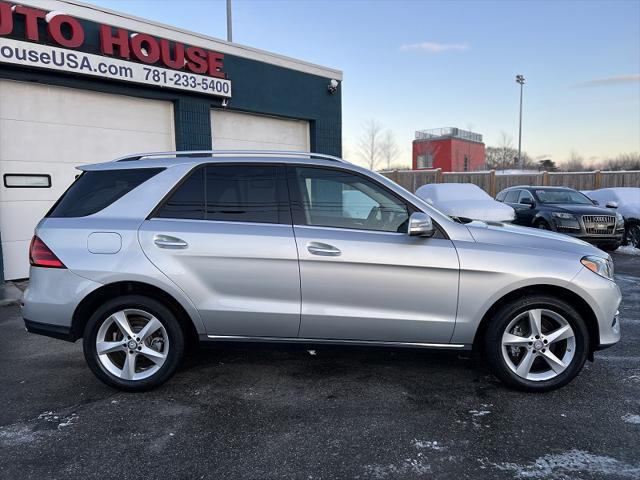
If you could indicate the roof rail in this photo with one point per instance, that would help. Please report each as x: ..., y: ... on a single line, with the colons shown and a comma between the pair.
x: 229, y: 153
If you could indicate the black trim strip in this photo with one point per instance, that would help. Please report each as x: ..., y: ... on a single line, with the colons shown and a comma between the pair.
x: 48, y: 330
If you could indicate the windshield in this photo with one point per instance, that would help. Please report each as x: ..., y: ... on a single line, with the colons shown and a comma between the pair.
x: 563, y: 197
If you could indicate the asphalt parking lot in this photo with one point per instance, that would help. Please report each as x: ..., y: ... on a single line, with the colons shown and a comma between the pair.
x: 283, y: 412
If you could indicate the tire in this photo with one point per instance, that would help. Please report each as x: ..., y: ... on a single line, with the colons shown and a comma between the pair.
x: 154, y: 358
x: 632, y: 235
x: 543, y: 225
x: 505, y: 361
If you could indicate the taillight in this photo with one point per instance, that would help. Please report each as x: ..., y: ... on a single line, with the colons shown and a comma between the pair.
x: 41, y: 256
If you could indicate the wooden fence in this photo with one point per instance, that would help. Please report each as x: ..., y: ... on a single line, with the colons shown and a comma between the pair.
x: 492, y: 183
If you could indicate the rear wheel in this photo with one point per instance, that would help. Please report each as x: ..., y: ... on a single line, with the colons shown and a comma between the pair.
x: 133, y: 343
x: 537, y: 344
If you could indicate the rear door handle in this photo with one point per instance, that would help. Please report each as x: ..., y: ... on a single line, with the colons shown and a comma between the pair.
x: 166, y: 241
x: 322, y: 249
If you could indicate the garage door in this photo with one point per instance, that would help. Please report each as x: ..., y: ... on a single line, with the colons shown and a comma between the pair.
x: 48, y: 131
x: 244, y: 131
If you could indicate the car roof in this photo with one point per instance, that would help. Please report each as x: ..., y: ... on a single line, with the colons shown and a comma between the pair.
x: 537, y: 187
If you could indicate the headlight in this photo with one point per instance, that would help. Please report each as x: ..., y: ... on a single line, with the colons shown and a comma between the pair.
x: 599, y: 265
x: 619, y: 219
x: 566, y: 216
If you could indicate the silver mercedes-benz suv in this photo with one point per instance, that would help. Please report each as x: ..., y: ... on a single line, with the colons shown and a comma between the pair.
x: 147, y: 253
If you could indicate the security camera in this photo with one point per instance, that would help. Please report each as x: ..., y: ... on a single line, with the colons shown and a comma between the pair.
x: 333, y: 86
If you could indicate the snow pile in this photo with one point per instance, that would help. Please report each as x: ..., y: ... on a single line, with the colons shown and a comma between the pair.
x: 627, y: 198
x: 465, y: 200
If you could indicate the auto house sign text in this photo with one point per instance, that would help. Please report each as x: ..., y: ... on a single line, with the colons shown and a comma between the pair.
x: 56, y: 41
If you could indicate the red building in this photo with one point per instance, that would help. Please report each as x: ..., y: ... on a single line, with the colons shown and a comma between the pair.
x: 451, y: 149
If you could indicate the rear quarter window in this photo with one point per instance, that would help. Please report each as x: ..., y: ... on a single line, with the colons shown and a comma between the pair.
x: 95, y: 190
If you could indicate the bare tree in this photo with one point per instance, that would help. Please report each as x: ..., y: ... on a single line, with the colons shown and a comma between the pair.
x: 506, y: 157
x: 624, y: 161
x: 501, y: 156
x: 370, y: 142
x: 575, y: 163
x: 389, y: 148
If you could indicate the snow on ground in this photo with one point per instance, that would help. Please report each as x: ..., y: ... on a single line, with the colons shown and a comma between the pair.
x: 44, y: 427
x: 431, y: 445
x: 573, y: 461
x: 630, y: 418
x: 628, y: 250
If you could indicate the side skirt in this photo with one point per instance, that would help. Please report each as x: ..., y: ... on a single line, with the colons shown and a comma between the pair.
x: 330, y: 341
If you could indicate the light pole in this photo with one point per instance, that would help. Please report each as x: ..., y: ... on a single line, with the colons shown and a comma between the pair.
x: 229, y: 29
x: 520, y: 80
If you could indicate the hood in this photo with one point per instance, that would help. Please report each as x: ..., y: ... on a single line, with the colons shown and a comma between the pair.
x: 486, y: 210
x: 579, y: 209
x: 628, y: 210
x: 527, y: 237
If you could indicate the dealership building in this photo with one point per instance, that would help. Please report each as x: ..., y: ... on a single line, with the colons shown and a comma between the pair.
x: 81, y: 84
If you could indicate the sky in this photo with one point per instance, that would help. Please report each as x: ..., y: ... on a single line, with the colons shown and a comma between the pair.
x: 414, y: 65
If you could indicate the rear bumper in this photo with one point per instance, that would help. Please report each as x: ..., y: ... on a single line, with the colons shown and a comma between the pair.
x: 50, y: 300
x: 48, y: 330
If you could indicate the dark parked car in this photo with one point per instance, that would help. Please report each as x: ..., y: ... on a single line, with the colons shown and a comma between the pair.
x: 566, y: 211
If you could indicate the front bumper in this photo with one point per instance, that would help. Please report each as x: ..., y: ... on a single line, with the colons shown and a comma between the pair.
x: 576, y: 228
x: 608, y: 240
x: 603, y: 296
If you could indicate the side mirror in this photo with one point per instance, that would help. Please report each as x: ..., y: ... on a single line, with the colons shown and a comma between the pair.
x: 420, y: 225
x: 612, y: 205
x: 527, y: 201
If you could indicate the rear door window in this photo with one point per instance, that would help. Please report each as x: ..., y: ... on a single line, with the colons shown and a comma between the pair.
x: 231, y: 193
x: 239, y: 193
x: 95, y: 190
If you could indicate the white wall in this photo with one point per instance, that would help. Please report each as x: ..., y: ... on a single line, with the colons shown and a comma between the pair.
x: 51, y: 130
x: 244, y: 131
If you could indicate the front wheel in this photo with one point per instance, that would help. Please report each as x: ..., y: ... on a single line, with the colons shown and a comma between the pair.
x: 633, y: 235
x: 537, y: 344
x: 133, y: 343
x: 543, y: 225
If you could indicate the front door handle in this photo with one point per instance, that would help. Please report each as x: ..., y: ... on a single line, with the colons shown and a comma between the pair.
x: 166, y: 241
x: 317, y: 248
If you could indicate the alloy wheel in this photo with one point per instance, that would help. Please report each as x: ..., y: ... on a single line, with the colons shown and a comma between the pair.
x: 538, y: 344
x: 633, y: 236
x: 132, y: 344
